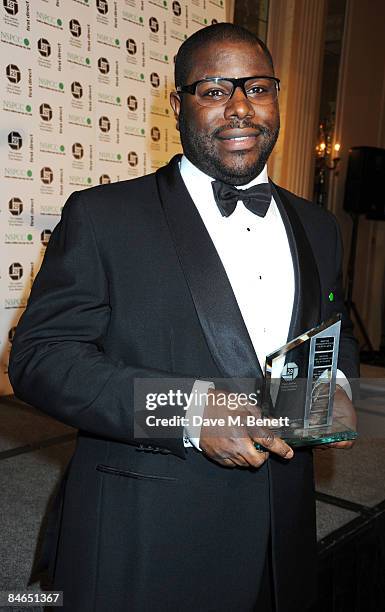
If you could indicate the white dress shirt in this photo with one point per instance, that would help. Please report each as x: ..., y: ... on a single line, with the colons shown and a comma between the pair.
x: 256, y: 256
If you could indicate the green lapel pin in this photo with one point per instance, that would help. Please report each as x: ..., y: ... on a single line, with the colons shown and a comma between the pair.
x: 331, y: 296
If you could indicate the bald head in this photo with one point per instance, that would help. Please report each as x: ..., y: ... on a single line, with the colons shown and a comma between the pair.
x: 217, y: 33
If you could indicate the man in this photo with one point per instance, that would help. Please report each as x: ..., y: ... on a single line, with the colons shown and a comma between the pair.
x: 166, y: 277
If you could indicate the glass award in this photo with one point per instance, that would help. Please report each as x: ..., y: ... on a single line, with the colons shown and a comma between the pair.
x: 299, y: 387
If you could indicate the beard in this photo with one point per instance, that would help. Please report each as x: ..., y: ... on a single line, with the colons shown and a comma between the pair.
x: 199, y: 147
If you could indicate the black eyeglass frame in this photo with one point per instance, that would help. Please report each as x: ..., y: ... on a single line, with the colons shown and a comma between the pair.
x: 191, y: 88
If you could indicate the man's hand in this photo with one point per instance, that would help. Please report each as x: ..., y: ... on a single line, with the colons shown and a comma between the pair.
x: 232, y: 444
x: 344, y: 411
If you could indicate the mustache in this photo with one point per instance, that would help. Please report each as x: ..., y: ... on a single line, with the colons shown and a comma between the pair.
x: 242, y: 124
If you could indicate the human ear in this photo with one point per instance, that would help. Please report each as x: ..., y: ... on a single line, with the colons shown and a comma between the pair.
x: 175, y: 105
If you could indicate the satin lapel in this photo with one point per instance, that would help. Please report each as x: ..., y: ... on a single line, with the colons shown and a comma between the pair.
x: 213, y: 297
x: 306, y: 306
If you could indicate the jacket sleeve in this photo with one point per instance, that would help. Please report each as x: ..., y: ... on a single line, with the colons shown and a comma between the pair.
x: 57, y: 362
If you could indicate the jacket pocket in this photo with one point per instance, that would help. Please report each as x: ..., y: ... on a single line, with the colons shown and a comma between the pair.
x: 107, y: 469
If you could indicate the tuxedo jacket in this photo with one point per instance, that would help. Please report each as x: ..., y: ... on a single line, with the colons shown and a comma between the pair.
x: 131, y: 287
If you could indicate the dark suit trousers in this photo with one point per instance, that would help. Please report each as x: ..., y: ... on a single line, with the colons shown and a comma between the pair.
x: 187, y: 535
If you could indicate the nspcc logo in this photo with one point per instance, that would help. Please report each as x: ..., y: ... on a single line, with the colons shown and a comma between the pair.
x: 75, y: 28
x: 15, y: 271
x: 104, y: 124
x: 132, y: 103
x: 154, y: 79
x: 45, y: 236
x: 290, y: 371
x: 46, y: 175
x: 132, y: 158
x: 45, y: 112
x: 103, y: 65
x: 102, y: 6
x: 13, y: 73
x: 44, y: 47
x: 15, y: 141
x: 154, y: 24
x: 11, y: 6
x: 77, y: 150
x: 76, y: 90
x: 104, y: 179
x: 176, y: 9
x: 155, y: 134
x: 131, y: 46
x: 15, y: 207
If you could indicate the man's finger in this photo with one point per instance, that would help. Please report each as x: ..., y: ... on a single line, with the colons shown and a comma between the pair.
x: 241, y: 460
x: 252, y: 456
x: 274, y: 445
x: 227, y: 462
x: 257, y: 458
x: 266, y: 438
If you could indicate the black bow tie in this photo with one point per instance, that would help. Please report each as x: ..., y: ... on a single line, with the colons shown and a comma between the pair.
x: 256, y: 199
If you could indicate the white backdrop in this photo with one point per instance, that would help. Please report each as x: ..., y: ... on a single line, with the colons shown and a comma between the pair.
x: 84, y: 100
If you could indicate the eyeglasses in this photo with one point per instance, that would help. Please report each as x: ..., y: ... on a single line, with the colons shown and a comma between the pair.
x: 216, y: 91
